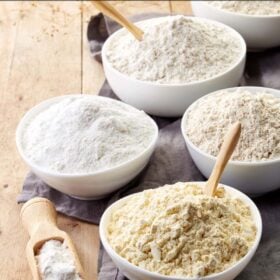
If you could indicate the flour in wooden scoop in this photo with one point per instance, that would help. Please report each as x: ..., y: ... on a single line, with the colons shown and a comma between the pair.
x: 55, y: 262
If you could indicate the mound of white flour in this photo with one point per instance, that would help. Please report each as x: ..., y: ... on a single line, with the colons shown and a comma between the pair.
x: 85, y: 134
x: 249, y: 7
x: 174, y: 50
x: 259, y: 113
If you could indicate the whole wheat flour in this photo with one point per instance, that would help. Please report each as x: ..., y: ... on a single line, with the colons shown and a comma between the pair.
x: 177, y: 230
x: 249, y: 7
x: 175, y: 50
x: 85, y: 134
x: 259, y: 113
x: 55, y: 262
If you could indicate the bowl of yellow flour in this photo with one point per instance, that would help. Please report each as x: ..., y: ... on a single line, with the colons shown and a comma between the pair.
x: 177, y: 232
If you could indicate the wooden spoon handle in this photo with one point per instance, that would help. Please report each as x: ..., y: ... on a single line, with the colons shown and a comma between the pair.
x: 170, y: 7
x: 38, y: 211
x: 110, y: 11
x: 228, y: 146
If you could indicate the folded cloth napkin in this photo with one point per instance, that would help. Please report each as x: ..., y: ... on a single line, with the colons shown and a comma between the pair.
x: 170, y: 163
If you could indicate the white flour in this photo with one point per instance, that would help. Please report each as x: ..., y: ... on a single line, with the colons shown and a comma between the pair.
x: 175, y: 50
x: 85, y: 134
x: 55, y: 262
x: 259, y: 113
x: 177, y: 230
x: 249, y: 7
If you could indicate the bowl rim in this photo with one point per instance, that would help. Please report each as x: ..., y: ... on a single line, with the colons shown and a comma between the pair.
x: 29, y: 115
x: 205, y: 154
x: 247, y: 200
x: 249, y: 16
x: 239, y: 60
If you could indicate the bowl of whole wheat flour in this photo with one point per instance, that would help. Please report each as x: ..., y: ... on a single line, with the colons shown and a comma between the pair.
x: 86, y: 146
x: 176, y: 232
x: 255, y: 163
x: 179, y: 60
x: 256, y: 21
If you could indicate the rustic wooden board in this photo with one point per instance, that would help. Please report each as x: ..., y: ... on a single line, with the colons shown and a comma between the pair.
x: 44, y: 53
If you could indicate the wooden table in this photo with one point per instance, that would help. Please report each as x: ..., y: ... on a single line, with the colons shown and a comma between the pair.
x: 44, y: 53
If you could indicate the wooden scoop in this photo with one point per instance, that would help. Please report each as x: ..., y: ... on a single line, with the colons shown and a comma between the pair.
x: 229, y: 144
x: 108, y: 10
x: 39, y: 218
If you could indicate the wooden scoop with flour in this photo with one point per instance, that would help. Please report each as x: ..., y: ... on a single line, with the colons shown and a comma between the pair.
x: 39, y: 218
x: 228, y: 146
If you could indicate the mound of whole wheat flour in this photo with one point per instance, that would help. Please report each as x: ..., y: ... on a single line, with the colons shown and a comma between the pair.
x: 210, y: 118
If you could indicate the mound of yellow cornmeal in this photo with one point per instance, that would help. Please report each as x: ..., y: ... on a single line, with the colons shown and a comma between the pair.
x: 177, y: 230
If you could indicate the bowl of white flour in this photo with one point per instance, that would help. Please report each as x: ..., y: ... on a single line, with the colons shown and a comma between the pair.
x: 255, y: 163
x: 257, y: 21
x: 176, y: 232
x: 179, y: 60
x: 86, y: 146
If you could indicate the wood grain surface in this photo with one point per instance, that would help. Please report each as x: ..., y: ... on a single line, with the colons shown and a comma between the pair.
x: 44, y: 53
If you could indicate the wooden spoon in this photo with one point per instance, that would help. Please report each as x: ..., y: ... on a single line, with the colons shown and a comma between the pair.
x: 230, y: 141
x: 39, y: 218
x: 170, y: 7
x: 108, y: 10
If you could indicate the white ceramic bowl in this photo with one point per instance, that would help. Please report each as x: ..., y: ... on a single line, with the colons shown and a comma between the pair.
x: 91, y: 185
x: 252, y: 178
x: 259, y: 32
x: 133, y: 272
x: 170, y: 100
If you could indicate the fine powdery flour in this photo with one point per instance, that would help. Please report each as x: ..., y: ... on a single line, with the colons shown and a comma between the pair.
x: 55, y: 262
x: 249, y: 7
x: 176, y: 230
x: 259, y: 113
x: 83, y: 134
x: 175, y: 49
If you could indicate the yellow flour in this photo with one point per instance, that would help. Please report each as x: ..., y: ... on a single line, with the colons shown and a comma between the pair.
x: 176, y: 230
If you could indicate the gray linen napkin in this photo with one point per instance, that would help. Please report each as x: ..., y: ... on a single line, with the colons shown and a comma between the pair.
x: 170, y: 163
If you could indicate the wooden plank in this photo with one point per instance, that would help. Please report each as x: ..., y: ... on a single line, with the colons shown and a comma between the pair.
x: 9, y: 227
x: 135, y: 7
x: 131, y: 8
x: 93, y: 75
x: 181, y: 7
x: 41, y: 58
